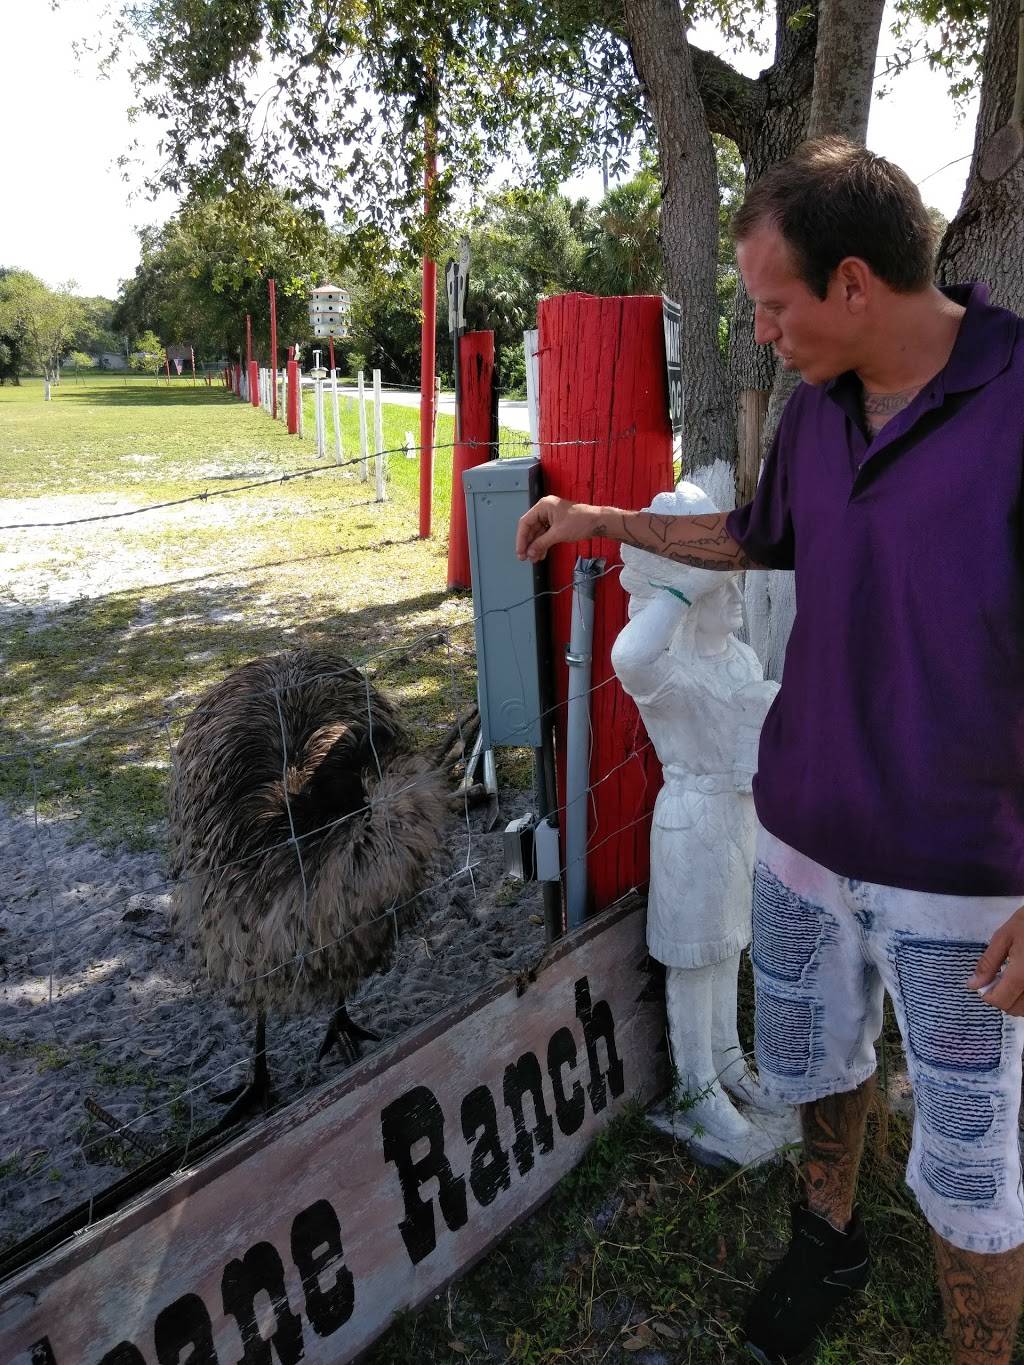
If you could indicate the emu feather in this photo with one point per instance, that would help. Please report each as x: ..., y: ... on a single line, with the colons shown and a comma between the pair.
x: 300, y: 741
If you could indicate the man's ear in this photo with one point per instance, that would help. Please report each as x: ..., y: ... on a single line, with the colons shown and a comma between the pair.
x: 852, y: 279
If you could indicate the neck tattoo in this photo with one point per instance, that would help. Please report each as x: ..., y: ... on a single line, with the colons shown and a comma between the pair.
x: 880, y: 407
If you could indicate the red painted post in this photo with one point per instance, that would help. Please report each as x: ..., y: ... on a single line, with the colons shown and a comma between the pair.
x: 238, y: 381
x: 272, y: 289
x: 293, y: 397
x: 476, y: 376
x: 428, y: 341
x: 254, y: 383
x: 605, y: 438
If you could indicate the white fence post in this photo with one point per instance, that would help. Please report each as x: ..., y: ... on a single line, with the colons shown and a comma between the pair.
x: 378, y: 435
x: 532, y: 390
x: 318, y: 412
x: 302, y: 423
x: 364, y: 454
x: 337, y: 420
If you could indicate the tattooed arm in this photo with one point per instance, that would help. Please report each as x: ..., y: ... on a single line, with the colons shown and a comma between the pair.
x: 701, y: 540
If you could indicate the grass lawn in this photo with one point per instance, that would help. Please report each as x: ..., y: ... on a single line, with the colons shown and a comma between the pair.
x: 111, y: 629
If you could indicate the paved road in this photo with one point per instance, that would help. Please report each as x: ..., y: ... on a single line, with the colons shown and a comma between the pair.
x: 511, y: 411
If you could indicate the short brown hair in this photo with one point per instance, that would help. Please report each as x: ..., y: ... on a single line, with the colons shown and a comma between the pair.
x: 833, y: 198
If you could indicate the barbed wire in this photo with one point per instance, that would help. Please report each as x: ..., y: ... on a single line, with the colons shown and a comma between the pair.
x: 57, y: 1013
x: 172, y: 707
x: 425, y: 780
x: 325, y: 466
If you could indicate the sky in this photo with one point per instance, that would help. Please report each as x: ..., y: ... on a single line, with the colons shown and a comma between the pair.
x: 67, y: 213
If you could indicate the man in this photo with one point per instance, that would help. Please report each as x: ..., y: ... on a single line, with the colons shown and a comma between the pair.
x: 891, y: 772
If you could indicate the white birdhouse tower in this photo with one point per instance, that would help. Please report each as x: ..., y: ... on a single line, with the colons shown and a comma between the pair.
x: 329, y: 308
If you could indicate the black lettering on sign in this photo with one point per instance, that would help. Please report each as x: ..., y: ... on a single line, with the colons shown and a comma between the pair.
x: 570, y: 1110
x: 417, y: 1117
x: 185, y: 1322
x: 598, y: 1023
x: 317, y: 1250
x: 522, y: 1078
x: 488, y: 1166
x: 260, y: 1271
x: 124, y: 1353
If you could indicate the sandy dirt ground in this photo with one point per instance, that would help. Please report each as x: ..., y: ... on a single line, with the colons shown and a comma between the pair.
x: 100, y: 1001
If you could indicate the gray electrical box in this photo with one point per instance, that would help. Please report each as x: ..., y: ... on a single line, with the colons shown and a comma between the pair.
x: 508, y: 603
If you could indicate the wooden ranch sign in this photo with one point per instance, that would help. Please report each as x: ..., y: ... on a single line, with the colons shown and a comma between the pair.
x: 302, y: 1239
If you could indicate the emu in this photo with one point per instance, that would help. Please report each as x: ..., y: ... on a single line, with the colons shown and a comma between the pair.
x: 301, y: 825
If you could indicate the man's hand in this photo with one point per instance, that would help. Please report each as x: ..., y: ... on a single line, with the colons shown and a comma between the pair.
x: 1006, y: 951
x: 553, y: 521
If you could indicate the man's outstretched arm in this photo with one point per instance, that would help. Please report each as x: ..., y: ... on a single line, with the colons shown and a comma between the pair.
x: 702, y: 541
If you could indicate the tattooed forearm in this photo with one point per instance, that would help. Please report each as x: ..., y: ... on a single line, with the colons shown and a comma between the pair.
x: 833, y: 1131
x: 702, y: 541
x: 981, y: 1294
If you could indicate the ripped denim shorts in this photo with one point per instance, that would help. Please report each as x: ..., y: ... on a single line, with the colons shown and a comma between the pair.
x: 825, y: 948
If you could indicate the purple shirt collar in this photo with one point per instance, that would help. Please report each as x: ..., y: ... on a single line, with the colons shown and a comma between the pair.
x: 983, y: 348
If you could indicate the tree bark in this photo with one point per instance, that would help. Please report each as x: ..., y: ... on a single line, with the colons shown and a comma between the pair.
x: 844, y: 67
x: 985, y: 241
x: 844, y: 73
x: 656, y: 32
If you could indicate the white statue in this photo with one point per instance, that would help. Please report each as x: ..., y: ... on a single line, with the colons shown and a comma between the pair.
x: 703, y: 699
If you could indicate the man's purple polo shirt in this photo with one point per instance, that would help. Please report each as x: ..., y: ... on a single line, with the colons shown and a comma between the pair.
x: 894, y: 752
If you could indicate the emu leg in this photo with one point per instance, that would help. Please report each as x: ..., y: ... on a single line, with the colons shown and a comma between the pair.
x: 345, y: 1034
x: 255, y: 1095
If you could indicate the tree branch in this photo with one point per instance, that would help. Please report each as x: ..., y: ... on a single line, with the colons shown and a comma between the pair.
x: 733, y: 103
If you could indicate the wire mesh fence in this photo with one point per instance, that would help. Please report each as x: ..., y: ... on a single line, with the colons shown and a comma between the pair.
x: 123, y: 1015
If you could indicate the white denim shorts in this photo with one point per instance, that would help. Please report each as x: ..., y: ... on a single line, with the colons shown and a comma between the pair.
x: 824, y: 950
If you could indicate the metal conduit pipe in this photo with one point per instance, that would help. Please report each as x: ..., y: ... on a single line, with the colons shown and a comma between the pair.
x: 578, y: 657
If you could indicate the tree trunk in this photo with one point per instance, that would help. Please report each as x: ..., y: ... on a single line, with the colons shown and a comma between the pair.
x: 656, y: 31
x: 766, y: 118
x: 985, y: 241
x: 844, y: 73
x: 844, y: 67
x: 787, y: 86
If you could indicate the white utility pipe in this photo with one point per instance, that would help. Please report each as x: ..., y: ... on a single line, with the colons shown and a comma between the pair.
x: 579, y: 656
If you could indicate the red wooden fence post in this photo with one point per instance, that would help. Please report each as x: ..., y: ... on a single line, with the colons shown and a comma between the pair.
x: 476, y: 381
x: 254, y: 383
x: 293, y: 397
x: 272, y: 290
x: 605, y: 438
x: 238, y: 380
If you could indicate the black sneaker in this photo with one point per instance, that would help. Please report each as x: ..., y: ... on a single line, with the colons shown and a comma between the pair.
x: 821, y: 1269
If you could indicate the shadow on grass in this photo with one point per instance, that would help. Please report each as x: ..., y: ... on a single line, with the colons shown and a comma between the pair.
x: 152, y: 397
x: 120, y: 673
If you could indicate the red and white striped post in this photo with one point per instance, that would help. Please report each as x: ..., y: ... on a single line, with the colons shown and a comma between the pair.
x: 476, y: 396
x: 605, y: 438
x: 272, y: 290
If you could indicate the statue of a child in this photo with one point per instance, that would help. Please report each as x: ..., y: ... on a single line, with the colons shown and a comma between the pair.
x: 703, y: 698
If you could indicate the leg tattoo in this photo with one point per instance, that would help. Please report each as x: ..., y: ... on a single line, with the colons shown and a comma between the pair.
x: 833, y: 1130
x: 982, y: 1295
